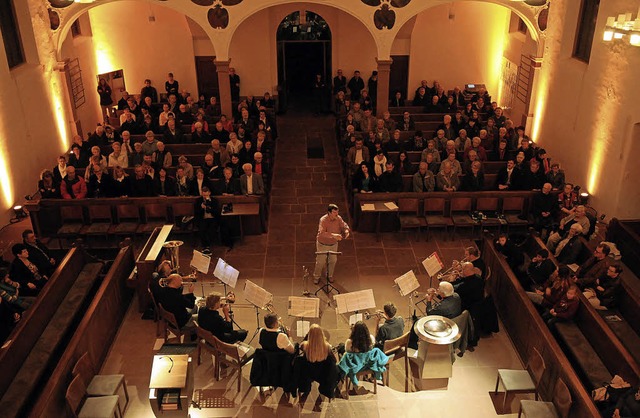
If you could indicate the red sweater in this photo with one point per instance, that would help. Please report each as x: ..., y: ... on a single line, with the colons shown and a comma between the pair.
x: 566, y: 308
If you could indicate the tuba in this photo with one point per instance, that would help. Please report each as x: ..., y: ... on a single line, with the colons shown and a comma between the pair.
x: 172, y: 251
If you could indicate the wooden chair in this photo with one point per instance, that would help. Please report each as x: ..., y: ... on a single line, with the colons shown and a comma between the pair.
x: 396, y: 349
x: 156, y: 313
x: 522, y: 381
x: 435, y: 214
x: 489, y: 205
x: 233, y: 357
x: 155, y: 215
x: 84, y: 407
x: 128, y: 220
x: 461, y: 208
x: 559, y: 406
x: 100, y: 219
x: 206, y: 341
x: 409, y: 215
x: 513, y: 211
x: 72, y: 218
x: 171, y: 324
x: 100, y: 384
x: 179, y: 211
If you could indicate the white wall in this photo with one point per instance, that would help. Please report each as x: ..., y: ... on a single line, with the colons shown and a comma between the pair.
x: 465, y: 49
x: 143, y: 49
x: 590, y: 109
x: 253, y: 47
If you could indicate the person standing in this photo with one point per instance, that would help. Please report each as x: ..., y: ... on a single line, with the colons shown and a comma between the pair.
x: 331, y: 230
x: 234, y: 81
x: 106, y: 101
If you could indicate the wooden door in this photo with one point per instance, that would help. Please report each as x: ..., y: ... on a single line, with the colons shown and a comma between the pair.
x: 399, y: 75
x: 207, y: 77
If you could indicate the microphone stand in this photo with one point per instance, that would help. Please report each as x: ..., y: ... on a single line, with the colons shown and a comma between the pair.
x: 327, y: 287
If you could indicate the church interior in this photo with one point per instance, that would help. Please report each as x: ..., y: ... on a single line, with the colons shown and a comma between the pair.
x: 315, y: 165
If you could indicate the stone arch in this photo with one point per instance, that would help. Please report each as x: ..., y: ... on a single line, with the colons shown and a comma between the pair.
x: 527, y: 13
x: 71, y: 13
x: 350, y: 9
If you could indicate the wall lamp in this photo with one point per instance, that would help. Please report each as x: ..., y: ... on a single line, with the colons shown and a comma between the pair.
x: 623, y: 28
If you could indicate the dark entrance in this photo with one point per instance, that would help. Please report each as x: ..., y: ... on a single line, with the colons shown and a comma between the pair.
x: 207, y: 77
x: 304, y: 50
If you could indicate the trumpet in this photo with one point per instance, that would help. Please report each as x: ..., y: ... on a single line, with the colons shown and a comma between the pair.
x: 378, y: 314
x: 283, y: 328
x: 452, y: 273
x: 433, y: 297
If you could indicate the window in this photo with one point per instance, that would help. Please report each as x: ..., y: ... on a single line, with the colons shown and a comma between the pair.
x: 586, y: 29
x: 522, y: 27
x: 75, y: 28
x: 11, y: 34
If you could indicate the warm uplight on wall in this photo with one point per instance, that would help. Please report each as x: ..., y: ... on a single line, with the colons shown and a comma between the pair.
x: 623, y: 28
x: 58, y: 109
x: 102, y: 39
x: 5, y: 180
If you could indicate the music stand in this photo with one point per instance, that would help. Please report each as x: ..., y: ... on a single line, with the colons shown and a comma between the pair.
x: 228, y: 276
x: 303, y: 307
x: 327, y: 287
x: 355, y: 302
x: 432, y: 264
x: 259, y: 298
x: 407, y: 284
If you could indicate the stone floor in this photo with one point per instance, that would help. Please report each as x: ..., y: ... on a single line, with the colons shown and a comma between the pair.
x: 302, y: 188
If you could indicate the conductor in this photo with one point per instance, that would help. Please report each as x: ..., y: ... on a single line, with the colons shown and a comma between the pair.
x: 331, y: 230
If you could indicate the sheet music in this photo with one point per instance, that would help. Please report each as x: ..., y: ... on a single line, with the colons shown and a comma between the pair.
x: 433, y: 264
x: 302, y: 307
x: 355, y: 301
x: 407, y: 283
x: 368, y: 207
x: 256, y: 295
x: 302, y: 328
x: 391, y: 205
x: 226, y: 273
x: 200, y: 262
x: 355, y: 318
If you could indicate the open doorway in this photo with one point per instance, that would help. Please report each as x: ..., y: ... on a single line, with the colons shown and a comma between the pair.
x: 304, y: 51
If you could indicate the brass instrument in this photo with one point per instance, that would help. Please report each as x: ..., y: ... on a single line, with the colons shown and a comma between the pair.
x: 452, y: 273
x: 228, y: 300
x: 378, y: 314
x: 283, y: 328
x: 433, y: 297
x: 172, y: 250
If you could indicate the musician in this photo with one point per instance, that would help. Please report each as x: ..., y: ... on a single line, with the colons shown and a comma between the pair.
x: 180, y: 305
x: 472, y: 255
x: 274, y: 337
x: 449, y: 306
x: 331, y: 230
x: 209, y: 318
x: 389, y: 326
x: 470, y: 287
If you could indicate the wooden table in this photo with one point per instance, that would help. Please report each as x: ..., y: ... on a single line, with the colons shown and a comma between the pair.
x: 379, y: 207
x: 243, y: 209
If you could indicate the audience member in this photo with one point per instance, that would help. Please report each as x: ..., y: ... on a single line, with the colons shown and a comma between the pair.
x: 390, y: 181
x: 544, y: 209
x: 363, y: 181
x: 539, y: 270
x: 25, y: 272
x: 72, y: 186
x: 569, y: 247
x: 447, y: 180
x: 594, y: 267
x: 577, y: 217
x: 513, y: 255
x: 141, y: 185
x: 48, y: 187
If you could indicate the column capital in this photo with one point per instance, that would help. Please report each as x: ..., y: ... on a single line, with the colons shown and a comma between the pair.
x: 384, y: 64
x: 222, y: 65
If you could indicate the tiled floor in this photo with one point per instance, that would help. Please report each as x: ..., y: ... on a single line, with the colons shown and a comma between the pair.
x: 302, y: 188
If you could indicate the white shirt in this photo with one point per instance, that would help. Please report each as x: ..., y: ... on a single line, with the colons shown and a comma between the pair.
x: 250, y: 184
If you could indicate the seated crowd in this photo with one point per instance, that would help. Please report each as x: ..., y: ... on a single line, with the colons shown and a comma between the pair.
x: 470, y: 133
x: 21, y: 283
x: 243, y: 146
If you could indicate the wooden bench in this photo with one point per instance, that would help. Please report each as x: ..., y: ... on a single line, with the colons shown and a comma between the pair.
x: 366, y: 222
x: 46, y: 215
x: 527, y: 330
x: 94, y: 334
x: 41, y: 336
x: 596, y: 351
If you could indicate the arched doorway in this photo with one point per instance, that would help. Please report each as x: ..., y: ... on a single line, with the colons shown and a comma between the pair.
x: 304, y: 50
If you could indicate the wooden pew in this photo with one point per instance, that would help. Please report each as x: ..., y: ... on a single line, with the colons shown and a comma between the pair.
x: 146, y: 264
x: 38, y: 339
x: 366, y: 222
x: 46, y: 218
x: 94, y: 334
x: 589, y: 330
x: 527, y: 330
